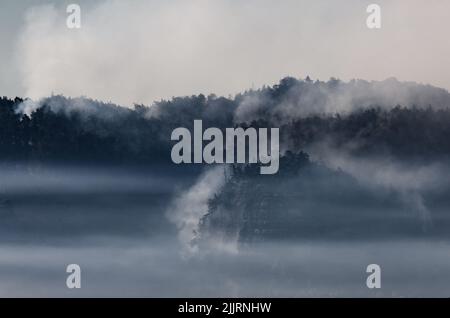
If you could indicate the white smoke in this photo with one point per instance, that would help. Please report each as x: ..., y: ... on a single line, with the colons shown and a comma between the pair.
x: 308, y: 98
x: 27, y: 107
x: 189, y: 207
x: 408, y: 181
x: 140, y: 51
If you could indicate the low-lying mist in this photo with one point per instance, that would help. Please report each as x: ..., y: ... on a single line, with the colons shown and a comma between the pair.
x: 362, y: 180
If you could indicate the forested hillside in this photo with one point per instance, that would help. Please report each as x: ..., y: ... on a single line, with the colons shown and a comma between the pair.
x: 364, y: 118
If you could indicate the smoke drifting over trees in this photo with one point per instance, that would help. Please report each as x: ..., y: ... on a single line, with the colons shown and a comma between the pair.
x: 404, y: 120
x: 359, y: 160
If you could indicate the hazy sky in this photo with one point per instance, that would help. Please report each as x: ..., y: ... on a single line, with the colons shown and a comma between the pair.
x: 140, y: 51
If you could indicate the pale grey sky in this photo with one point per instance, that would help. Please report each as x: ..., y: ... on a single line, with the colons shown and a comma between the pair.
x: 139, y: 51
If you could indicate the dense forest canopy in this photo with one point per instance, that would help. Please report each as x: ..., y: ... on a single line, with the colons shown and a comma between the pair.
x: 389, y: 117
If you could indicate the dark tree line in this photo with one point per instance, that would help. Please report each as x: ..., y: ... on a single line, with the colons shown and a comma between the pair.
x: 47, y: 135
x: 405, y: 133
x: 60, y: 130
